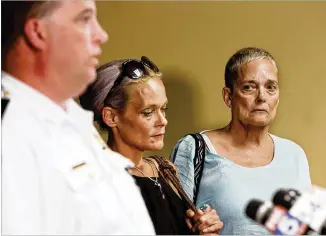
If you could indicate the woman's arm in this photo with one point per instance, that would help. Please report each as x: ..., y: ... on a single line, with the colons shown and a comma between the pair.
x: 182, y: 156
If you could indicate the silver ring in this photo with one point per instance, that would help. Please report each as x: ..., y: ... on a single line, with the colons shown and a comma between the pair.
x: 204, y: 207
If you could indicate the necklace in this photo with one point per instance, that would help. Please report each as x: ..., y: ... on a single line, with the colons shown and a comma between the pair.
x: 156, y: 183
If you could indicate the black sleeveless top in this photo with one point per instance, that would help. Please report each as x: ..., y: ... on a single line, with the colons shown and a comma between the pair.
x: 168, y: 214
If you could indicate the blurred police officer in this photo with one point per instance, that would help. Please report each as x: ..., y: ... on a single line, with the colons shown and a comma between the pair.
x: 57, y: 175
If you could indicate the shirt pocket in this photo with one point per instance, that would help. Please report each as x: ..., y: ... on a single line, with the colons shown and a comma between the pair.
x: 83, y: 176
x: 88, y: 184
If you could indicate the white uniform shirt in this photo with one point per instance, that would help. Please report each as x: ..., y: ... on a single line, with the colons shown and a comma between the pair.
x: 58, y: 176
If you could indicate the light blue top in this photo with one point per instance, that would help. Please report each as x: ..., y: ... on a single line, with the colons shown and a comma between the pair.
x: 228, y: 187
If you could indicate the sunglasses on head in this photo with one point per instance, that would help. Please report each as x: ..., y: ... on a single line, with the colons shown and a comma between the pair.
x: 135, y: 69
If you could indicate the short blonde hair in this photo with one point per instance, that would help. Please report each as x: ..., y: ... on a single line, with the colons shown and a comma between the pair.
x: 95, y: 98
x: 241, y: 58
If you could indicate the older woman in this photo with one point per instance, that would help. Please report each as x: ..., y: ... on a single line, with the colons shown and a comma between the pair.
x: 243, y: 160
x: 129, y: 101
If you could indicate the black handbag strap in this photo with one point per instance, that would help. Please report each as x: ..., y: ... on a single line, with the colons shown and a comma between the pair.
x: 199, y: 160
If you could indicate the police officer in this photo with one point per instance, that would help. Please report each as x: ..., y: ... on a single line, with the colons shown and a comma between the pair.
x: 58, y: 177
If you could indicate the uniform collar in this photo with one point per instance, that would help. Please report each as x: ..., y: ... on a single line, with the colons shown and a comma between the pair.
x: 43, y: 107
x: 32, y: 101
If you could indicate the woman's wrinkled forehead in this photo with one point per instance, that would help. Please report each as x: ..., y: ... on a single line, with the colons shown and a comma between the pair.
x: 149, y: 93
x: 258, y: 69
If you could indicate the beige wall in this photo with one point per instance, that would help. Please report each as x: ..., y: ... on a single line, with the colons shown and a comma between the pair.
x: 191, y: 42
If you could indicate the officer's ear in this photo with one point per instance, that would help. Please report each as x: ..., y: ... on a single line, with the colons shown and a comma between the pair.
x: 110, y: 116
x: 35, y: 33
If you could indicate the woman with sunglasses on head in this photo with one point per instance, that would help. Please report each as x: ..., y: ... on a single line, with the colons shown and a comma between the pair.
x: 129, y: 101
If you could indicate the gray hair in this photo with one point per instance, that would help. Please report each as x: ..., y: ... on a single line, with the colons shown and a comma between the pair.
x: 241, y: 58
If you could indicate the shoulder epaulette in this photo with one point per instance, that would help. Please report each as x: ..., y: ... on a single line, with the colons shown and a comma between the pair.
x: 4, y: 100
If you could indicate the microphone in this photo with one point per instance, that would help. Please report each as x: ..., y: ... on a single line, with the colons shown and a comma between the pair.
x: 276, y: 219
x: 286, y: 197
x: 308, y: 207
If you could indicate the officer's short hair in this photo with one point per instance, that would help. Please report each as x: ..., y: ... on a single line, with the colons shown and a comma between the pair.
x: 14, y: 15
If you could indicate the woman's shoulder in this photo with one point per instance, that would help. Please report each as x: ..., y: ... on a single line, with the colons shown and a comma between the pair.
x: 286, y: 144
x: 185, y: 144
x: 190, y: 139
x: 216, y: 134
